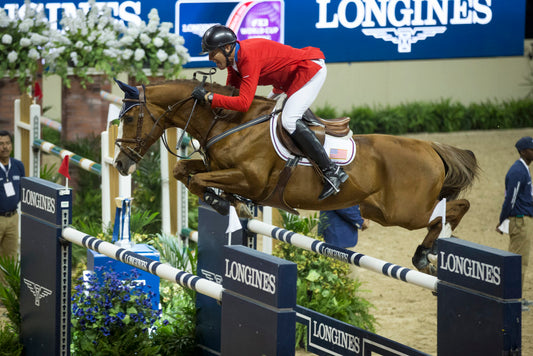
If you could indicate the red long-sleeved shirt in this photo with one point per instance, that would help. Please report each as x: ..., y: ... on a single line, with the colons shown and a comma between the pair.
x: 265, y: 62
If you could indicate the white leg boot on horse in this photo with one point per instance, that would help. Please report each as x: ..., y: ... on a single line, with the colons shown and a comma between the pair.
x: 334, y: 175
x: 425, y: 257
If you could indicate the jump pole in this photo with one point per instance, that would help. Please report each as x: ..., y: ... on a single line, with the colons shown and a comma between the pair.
x: 351, y: 257
x: 162, y: 270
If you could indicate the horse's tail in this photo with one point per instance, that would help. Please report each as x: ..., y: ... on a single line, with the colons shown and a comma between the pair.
x: 461, y: 169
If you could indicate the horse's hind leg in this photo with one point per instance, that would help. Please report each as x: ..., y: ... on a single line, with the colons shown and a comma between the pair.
x: 426, y: 252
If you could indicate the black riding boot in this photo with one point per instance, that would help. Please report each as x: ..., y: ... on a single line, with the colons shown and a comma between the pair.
x: 310, y: 145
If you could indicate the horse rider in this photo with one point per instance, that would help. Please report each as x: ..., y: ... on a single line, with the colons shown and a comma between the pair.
x: 300, y: 73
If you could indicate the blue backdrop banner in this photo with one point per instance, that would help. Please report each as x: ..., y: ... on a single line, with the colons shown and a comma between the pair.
x: 345, y: 30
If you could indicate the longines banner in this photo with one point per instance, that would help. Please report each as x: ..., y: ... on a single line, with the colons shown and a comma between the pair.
x: 345, y: 30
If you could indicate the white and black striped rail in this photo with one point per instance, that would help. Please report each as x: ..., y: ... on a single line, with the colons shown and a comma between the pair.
x: 165, y: 271
x: 358, y: 259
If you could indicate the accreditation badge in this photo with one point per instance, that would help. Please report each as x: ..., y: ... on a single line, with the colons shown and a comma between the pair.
x: 9, y: 189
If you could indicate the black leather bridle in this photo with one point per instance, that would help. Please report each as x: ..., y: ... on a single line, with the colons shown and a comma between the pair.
x: 140, y: 140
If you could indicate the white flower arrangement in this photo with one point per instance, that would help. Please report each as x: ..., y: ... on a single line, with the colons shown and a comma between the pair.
x: 88, y: 42
x: 155, y: 50
x: 21, y: 45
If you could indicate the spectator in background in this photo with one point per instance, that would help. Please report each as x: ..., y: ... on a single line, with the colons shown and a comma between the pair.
x: 11, y: 172
x: 518, y: 203
x: 340, y: 227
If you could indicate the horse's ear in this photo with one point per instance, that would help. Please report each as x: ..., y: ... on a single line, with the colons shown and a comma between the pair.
x: 130, y: 91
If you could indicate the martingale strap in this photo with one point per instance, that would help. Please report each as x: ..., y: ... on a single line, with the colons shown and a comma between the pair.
x: 253, y: 122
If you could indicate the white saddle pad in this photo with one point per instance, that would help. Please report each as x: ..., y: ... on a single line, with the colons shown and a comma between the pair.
x: 341, y: 150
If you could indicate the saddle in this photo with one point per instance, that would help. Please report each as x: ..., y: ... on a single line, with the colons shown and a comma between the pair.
x: 334, y: 127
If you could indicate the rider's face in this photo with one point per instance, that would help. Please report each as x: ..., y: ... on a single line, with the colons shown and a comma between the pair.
x: 218, y: 57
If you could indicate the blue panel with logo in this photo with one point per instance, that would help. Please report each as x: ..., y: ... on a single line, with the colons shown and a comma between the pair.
x: 260, y: 276
x: 345, y: 30
x: 481, y: 268
x: 347, y: 339
x: 40, y: 198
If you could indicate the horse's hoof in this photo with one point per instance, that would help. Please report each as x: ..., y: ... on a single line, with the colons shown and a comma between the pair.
x: 243, y: 211
x: 422, y: 262
x: 429, y: 269
x: 216, y: 202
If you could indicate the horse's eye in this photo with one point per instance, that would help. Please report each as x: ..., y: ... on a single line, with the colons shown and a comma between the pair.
x: 128, y: 119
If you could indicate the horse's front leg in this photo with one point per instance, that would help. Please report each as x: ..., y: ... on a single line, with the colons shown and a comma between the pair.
x: 186, y: 167
x: 228, y: 180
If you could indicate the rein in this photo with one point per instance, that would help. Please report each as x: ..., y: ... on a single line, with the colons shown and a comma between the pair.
x: 253, y: 122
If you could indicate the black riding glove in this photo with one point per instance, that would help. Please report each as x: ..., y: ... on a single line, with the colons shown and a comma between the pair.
x: 199, y: 94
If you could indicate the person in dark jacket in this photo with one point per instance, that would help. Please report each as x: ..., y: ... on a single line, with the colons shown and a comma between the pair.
x: 518, y: 203
x: 340, y: 227
x: 11, y: 173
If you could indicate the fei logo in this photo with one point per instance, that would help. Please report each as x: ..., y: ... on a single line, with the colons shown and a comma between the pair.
x: 402, y: 22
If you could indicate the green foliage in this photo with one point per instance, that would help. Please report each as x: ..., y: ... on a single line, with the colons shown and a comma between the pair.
x: 178, y: 304
x: 193, y: 210
x: 10, y: 289
x: 50, y: 173
x: 177, y: 337
x: 50, y: 135
x: 324, y: 284
x: 10, y: 344
x: 87, y: 195
x: 142, y: 222
x: 147, y: 188
x: 174, y: 252
x: 442, y: 116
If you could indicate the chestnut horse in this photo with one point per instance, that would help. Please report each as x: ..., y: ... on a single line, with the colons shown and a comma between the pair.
x: 397, y: 181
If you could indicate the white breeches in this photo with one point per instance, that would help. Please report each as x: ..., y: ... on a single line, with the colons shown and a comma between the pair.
x: 301, y: 100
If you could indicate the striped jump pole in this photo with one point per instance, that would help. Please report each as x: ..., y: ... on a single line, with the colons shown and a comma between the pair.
x: 162, y: 270
x: 78, y: 160
x: 357, y: 259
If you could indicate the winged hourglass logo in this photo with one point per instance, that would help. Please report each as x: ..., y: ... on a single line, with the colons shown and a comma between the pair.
x: 37, y: 290
x: 404, y: 37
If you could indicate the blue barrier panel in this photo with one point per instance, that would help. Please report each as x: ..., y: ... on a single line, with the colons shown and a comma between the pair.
x: 210, y: 266
x: 265, y: 278
x: 328, y: 336
x: 478, y: 308
x: 45, y: 268
x: 479, y: 267
x: 258, y: 300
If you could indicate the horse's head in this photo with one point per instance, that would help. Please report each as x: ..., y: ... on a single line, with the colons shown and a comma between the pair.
x: 139, y: 128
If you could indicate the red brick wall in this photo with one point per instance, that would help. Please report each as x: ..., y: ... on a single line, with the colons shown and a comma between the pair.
x: 84, y: 112
x: 9, y: 91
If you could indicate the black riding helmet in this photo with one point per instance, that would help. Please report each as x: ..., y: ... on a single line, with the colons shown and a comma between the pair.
x: 217, y: 36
